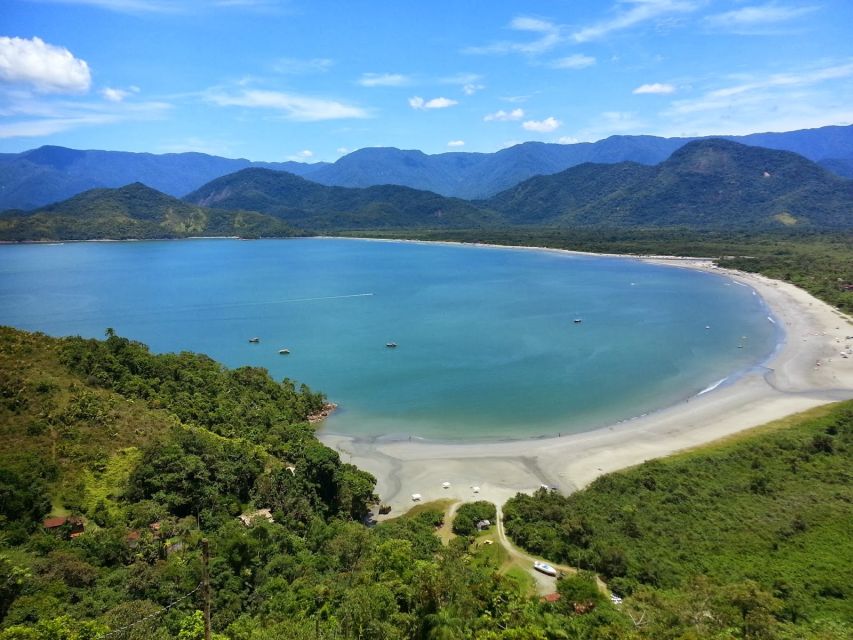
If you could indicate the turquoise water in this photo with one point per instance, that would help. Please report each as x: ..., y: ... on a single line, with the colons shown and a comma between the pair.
x: 487, y: 343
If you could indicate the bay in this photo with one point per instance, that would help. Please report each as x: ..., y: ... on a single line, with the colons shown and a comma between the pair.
x: 488, y: 347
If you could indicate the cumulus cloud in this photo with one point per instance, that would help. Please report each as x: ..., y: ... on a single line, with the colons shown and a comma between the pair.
x: 576, y: 61
x: 471, y: 88
x: 41, y: 66
x: 292, y: 106
x: 383, y: 80
x: 542, y: 126
x: 567, y: 140
x: 504, y: 116
x: 416, y: 102
x: 456, y: 143
x: 342, y: 151
x: 655, y: 87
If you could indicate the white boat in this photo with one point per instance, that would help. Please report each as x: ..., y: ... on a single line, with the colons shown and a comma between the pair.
x: 544, y: 567
x: 284, y: 352
x: 578, y: 320
x: 254, y: 340
x: 391, y: 345
x: 416, y: 497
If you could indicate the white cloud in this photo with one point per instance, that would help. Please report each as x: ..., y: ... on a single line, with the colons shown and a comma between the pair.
x: 549, y: 35
x: 504, y: 116
x: 757, y: 16
x: 470, y: 83
x: 118, y: 95
x: 542, y: 126
x: 634, y: 12
x: 761, y: 90
x: 175, y: 6
x: 567, y: 140
x: 456, y: 143
x: 300, y: 66
x: 305, y: 154
x: 20, y: 123
x: 126, y: 6
x: 655, y: 87
x: 342, y: 151
x: 576, y: 61
x: 383, y: 80
x: 417, y: 102
x: 293, y: 106
x: 41, y: 66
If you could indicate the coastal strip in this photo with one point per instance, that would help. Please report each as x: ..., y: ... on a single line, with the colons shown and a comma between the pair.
x: 804, y: 372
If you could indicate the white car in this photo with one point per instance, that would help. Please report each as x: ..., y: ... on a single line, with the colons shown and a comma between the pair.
x: 545, y: 568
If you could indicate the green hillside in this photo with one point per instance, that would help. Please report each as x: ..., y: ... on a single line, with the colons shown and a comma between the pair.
x: 133, y: 211
x: 309, y: 205
x: 704, y: 184
x: 759, y: 523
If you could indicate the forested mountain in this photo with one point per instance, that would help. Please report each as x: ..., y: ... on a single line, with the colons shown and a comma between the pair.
x: 706, y: 183
x: 480, y: 175
x: 309, y: 205
x: 37, y: 177
x: 133, y: 211
x: 48, y: 174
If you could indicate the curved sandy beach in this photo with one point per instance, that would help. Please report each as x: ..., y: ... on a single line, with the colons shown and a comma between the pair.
x: 807, y: 370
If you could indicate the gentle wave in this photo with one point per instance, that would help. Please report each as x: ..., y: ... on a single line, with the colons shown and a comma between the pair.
x: 713, y: 386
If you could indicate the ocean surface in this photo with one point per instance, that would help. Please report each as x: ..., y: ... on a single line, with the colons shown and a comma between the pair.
x: 488, y: 347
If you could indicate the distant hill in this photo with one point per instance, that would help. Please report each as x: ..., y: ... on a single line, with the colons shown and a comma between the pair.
x: 133, y: 211
x: 481, y: 175
x: 309, y: 205
x: 704, y: 184
x: 48, y: 174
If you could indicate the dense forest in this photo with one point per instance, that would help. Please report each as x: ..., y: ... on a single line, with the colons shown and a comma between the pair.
x: 138, y: 456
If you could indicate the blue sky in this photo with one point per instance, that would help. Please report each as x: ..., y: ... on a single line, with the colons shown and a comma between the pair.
x: 311, y: 80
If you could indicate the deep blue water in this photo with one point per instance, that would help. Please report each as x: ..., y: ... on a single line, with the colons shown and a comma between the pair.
x: 488, y: 346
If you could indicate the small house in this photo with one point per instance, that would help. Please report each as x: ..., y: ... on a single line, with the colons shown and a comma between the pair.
x: 72, y: 524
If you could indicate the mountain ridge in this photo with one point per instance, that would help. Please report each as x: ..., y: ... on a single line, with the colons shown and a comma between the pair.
x: 48, y: 174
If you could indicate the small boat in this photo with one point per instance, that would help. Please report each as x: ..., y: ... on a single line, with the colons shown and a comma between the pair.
x: 254, y: 340
x: 547, y: 569
x: 578, y: 320
x: 284, y: 352
x: 445, y: 485
x: 391, y: 345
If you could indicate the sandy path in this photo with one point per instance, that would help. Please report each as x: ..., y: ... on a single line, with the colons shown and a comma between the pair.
x: 806, y: 371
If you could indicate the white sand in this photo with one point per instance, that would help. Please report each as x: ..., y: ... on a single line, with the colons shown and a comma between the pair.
x: 814, y: 333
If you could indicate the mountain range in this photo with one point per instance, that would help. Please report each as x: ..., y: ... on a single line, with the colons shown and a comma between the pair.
x: 40, y: 176
x: 706, y: 184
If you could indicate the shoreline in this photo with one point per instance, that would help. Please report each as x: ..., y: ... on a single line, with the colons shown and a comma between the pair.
x: 806, y: 370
